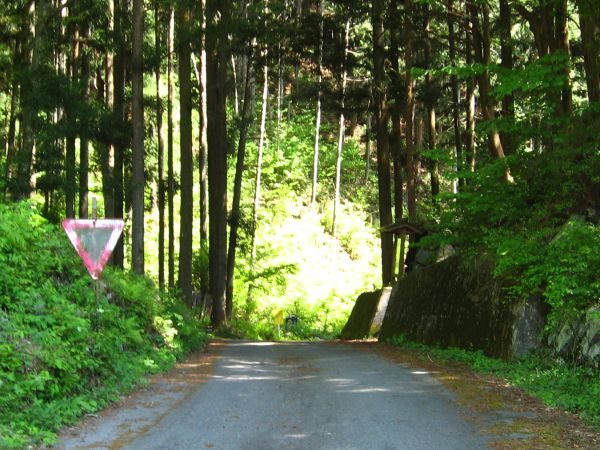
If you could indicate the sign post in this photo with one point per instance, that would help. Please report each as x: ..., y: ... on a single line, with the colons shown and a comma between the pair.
x: 94, y: 240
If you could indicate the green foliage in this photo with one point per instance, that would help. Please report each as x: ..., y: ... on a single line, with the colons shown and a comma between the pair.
x: 542, y: 228
x: 300, y: 269
x: 575, y: 389
x: 64, y: 351
x: 565, y: 269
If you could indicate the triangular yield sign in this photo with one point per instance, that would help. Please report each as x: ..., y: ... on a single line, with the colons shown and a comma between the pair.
x: 94, y: 241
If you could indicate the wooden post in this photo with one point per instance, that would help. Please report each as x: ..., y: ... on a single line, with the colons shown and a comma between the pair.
x: 401, y: 259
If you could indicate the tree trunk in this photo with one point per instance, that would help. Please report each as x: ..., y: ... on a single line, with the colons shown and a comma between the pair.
x: 383, y: 150
x: 482, y: 43
x: 409, y: 114
x: 234, y: 221
x: 506, y: 53
x: 184, y: 21
x: 315, y: 171
x: 458, y: 149
x: 170, y: 164
x: 396, y: 109
x: 561, y: 37
x: 216, y: 72
x: 434, y: 171
x: 84, y: 148
x: 11, y: 147
x: 368, y: 128
x: 470, y: 104
x: 120, y: 63
x: 202, y: 160
x: 70, y: 157
x: 589, y: 20
x: 138, y: 180
x: 22, y: 187
x: 341, y: 136
x: 259, y: 160
x: 161, y: 150
x: 107, y: 151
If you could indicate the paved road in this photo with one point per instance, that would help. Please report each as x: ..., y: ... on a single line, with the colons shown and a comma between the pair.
x: 260, y: 396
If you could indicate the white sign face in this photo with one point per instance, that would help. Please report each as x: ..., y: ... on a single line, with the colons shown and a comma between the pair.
x: 94, y: 241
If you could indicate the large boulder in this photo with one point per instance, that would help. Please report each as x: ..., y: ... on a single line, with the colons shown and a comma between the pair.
x: 457, y: 303
x: 578, y: 339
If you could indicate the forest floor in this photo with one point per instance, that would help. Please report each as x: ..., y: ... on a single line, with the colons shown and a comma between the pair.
x: 351, y: 395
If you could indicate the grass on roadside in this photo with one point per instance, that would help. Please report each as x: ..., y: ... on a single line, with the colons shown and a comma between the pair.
x: 557, y: 384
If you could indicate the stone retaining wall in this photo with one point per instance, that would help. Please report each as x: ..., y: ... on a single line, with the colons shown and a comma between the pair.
x: 459, y: 304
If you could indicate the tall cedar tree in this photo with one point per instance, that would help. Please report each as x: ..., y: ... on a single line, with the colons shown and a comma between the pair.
x: 216, y: 79
x: 383, y: 150
x: 184, y: 23
x: 138, y: 182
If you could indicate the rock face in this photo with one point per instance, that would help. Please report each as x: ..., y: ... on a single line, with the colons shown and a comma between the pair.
x: 361, y: 318
x: 382, y: 305
x: 578, y: 340
x: 459, y: 304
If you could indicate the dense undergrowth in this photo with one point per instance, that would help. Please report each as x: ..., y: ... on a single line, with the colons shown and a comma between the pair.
x: 64, y: 351
x: 542, y: 229
x: 575, y: 389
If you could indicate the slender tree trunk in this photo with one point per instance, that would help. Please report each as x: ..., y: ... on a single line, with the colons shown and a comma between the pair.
x: 161, y: 150
x: 107, y: 152
x: 298, y: 22
x: 259, y: 160
x: 170, y: 158
x: 23, y: 187
x: 138, y: 180
x: 216, y: 71
x: 315, y: 171
x: 202, y: 160
x: 70, y: 156
x: 341, y: 136
x: 84, y: 148
x: 409, y: 113
x: 234, y: 221
x: 396, y: 109
x: 383, y: 150
x: 434, y: 171
x: 506, y: 53
x: 562, y: 44
x: 184, y: 21
x: 279, y: 95
x: 458, y: 149
x: 589, y: 20
x: 236, y: 95
x: 367, y: 147
x: 120, y: 63
x: 482, y: 43
x: 470, y: 104
x: 11, y: 147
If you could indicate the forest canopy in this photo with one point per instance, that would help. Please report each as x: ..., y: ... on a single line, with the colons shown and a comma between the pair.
x: 208, y: 125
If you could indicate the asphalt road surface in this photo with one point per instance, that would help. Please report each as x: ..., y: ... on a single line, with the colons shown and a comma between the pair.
x: 262, y: 395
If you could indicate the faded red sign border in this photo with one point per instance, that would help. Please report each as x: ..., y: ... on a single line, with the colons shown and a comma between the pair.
x: 71, y: 226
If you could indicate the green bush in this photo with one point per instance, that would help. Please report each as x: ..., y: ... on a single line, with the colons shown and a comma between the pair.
x: 64, y: 351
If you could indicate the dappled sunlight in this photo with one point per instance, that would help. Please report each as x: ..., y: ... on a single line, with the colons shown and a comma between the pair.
x: 252, y: 343
x: 296, y: 436
x: 367, y: 390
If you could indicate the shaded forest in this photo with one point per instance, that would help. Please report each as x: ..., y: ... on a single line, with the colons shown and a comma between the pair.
x: 475, y: 120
